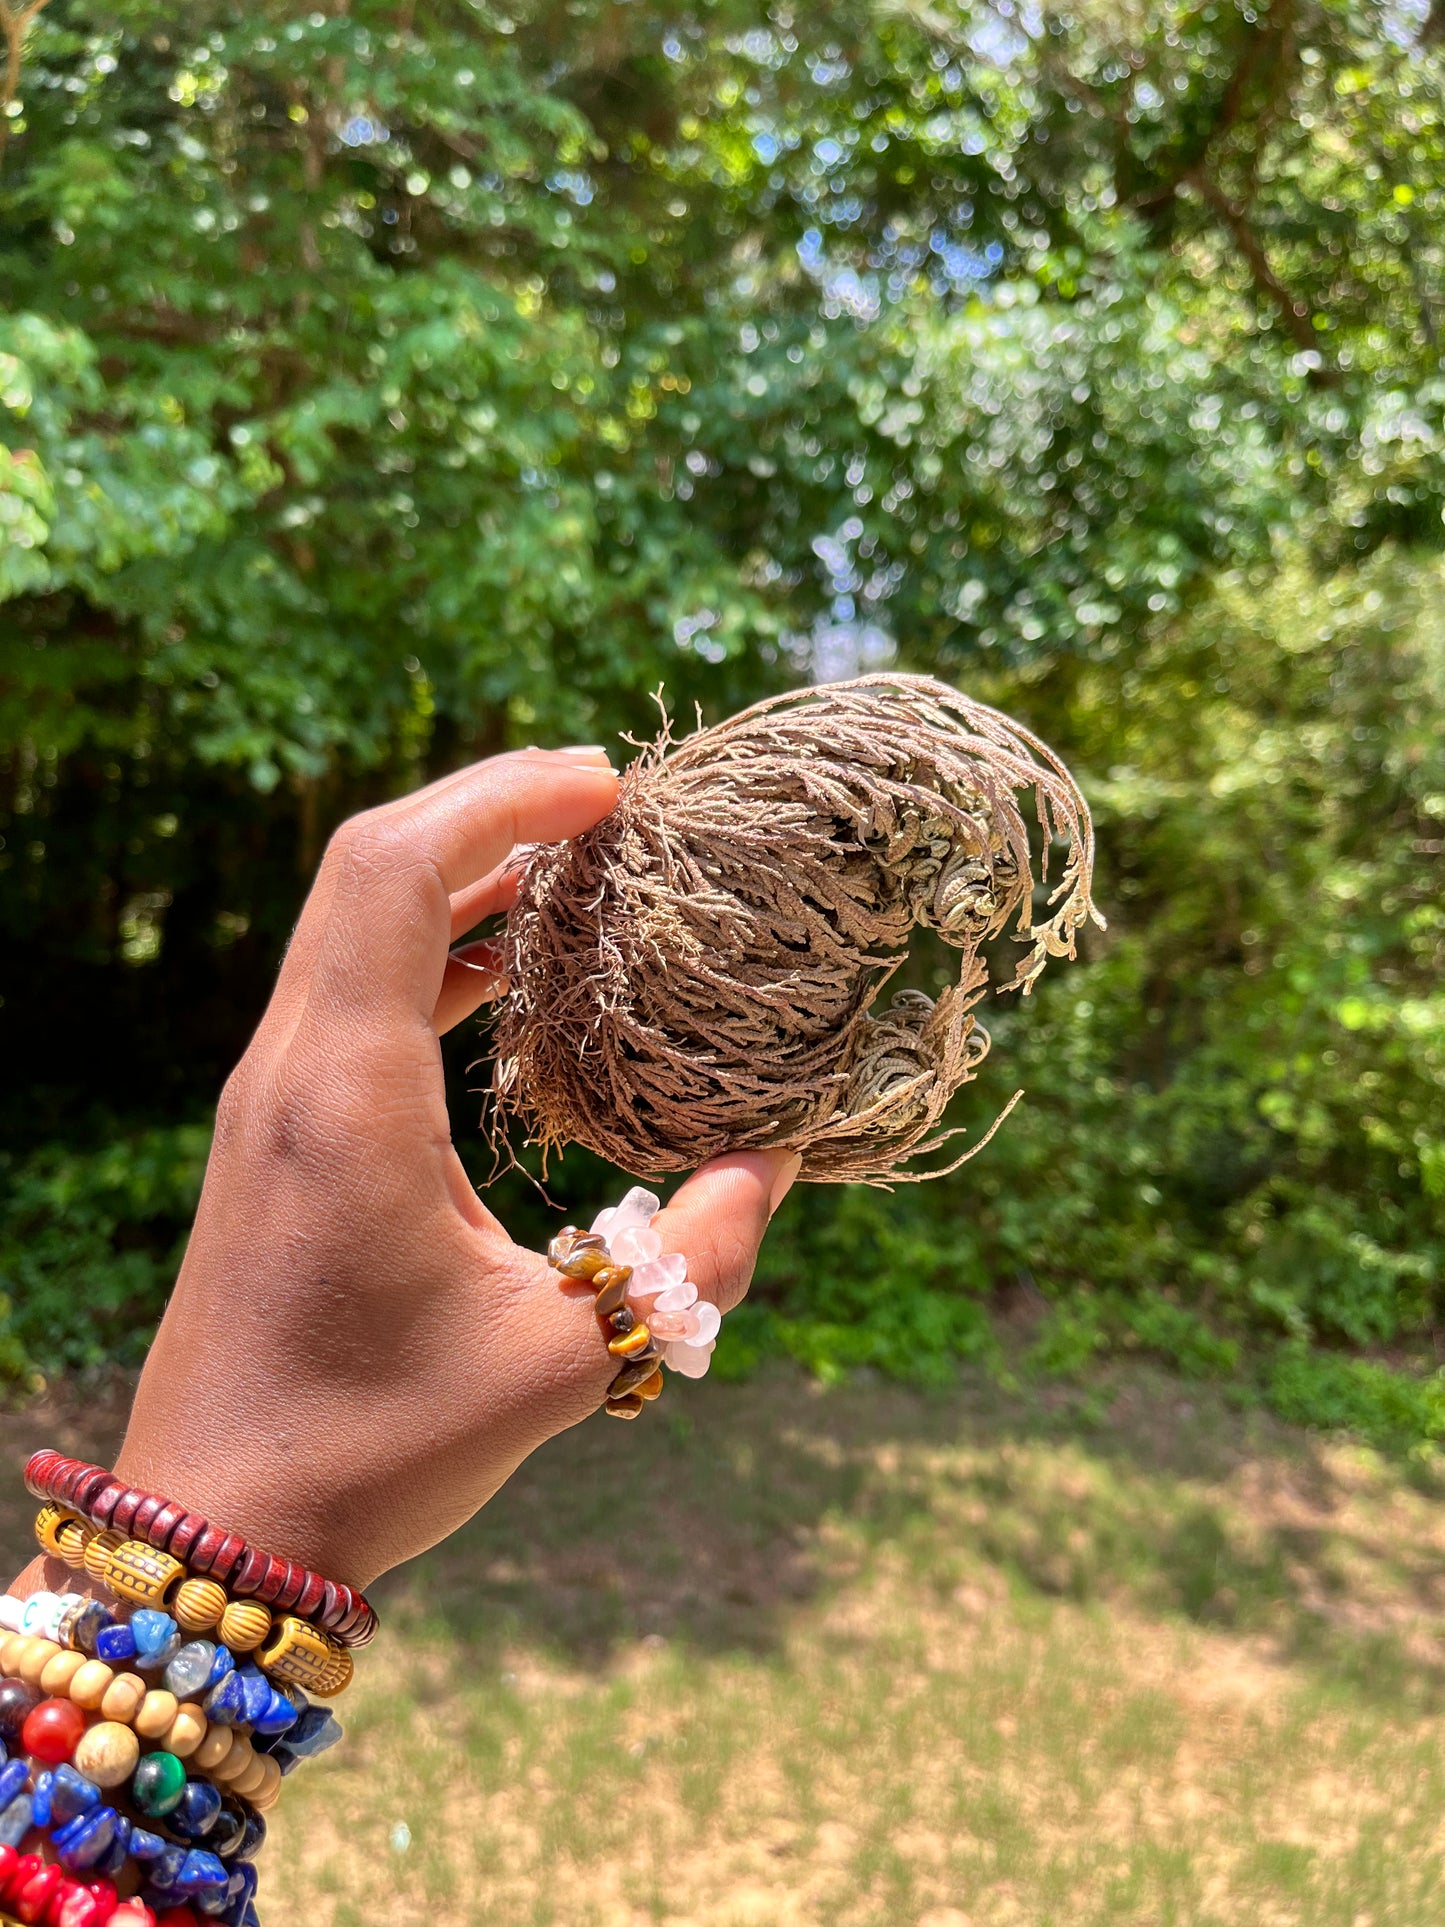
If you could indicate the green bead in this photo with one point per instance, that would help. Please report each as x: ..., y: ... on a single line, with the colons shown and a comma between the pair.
x: 158, y: 1783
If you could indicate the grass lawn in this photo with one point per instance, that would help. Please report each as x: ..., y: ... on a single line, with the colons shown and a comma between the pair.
x: 867, y: 1656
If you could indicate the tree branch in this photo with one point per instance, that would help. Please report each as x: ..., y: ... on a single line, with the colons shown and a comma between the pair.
x: 1271, y: 45
x: 1295, y: 314
x: 14, y: 24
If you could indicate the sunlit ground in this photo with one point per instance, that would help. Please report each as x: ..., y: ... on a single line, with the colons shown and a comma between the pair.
x: 869, y: 1657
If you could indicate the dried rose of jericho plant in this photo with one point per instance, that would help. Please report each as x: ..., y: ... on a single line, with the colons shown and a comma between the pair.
x: 698, y: 973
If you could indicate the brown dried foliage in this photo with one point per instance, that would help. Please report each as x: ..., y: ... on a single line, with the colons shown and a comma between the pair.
x: 698, y: 973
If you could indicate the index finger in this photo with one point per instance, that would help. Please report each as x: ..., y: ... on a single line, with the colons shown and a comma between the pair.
x: 382, y: 907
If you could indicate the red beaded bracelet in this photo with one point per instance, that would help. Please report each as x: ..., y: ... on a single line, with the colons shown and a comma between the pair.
x: 223, y: 1556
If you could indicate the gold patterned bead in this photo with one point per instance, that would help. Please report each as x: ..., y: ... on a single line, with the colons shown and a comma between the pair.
x: 50, y: 1520
x: 138, y: 1574
x: 244, y: 1624
x: 198, y: 1605
x: 99, y: 1550
x: 72, y: 1538
x: 305, y: 1656
x: 628, y: 1406
x: 651, y: 1388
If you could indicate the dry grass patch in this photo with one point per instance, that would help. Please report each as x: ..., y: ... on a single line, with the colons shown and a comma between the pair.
x: 869, y: 1658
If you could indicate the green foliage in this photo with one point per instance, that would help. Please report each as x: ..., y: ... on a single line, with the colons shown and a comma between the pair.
x: 1242, y: 1097
x: 1355, y: 1395
x: 379, y: 389
x: 89, y: 1247
x: 843, y: 1284
x: 1080, y: 1327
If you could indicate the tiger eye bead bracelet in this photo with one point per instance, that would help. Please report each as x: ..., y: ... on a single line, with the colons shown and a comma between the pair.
x: 582, y: 1257
x: 649, y: 1313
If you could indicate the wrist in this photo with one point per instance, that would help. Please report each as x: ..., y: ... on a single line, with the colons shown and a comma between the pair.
x: 286, y: 1516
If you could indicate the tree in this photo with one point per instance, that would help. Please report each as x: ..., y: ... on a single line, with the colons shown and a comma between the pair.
x: 380, y: 386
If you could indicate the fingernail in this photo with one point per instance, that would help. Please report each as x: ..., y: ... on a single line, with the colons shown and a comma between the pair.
x: 783, y: 1182
x: 585, y: 753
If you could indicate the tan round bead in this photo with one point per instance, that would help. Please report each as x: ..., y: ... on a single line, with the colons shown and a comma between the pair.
x: 41, y: 1652
x: 155, y: 1713
x: 236, y: 1762
x: 185, y: 1732
x: 244, y: 1624
x: 10, y: 1650
x: 123, y: 1697
x: 211, y: 1754
x: 24, y: 1645
x: 199, y: 1604
x: 107, y: 1753
x: 265, y: 1796
x: 57, y: 1676
x: 91, y: 1685
x: 253, y: 1776
x: 99, y: 1550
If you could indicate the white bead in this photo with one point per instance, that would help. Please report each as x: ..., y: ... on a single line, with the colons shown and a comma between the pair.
x: 677, y: 1297
x: 658, y: 1274
x: 706, y: 1324
x: 634, y: 1245
x: 689, y: 1361
x: 12, y: 1613
x: 37, y: 1611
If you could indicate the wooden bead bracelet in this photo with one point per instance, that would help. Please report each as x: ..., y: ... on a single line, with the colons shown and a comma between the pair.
x: 124, y: 1700
x: 204, y: 1549
x: 289, y: 1649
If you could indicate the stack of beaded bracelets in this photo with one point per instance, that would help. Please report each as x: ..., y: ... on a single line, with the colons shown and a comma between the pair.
x: 107, y: 1503
x: 649, y: 1313
x: 155, y: 1791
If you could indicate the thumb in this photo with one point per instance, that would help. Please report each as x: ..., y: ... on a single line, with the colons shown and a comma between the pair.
x: 718, y: 1217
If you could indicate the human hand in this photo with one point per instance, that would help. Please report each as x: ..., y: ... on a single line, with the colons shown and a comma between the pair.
x: 356, y: 1355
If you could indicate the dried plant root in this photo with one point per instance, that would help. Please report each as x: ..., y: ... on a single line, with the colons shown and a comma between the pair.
x: 701, y: 971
